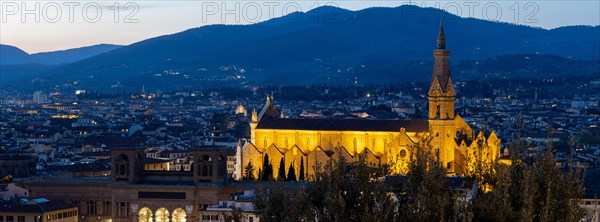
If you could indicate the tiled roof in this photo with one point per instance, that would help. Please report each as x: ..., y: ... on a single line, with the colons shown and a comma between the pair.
x: 15, y: 206
x: 343, y: 124
x: 150, y: 160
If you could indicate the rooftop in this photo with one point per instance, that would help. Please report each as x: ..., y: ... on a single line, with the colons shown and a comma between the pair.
x: 36, y: 205
x: 343, y: 124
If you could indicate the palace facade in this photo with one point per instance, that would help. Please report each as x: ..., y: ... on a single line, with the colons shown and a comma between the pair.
x: 312, y: 142
x: 133, y: 193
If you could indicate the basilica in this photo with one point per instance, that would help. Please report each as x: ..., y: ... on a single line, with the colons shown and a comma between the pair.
x: 313, y: 142
x: 133, y: 192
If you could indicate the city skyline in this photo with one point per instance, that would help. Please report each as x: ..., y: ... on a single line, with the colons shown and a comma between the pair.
x: 225, y: 124
x: 139, y: 21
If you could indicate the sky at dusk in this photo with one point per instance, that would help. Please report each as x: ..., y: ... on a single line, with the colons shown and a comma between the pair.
x: 38, y: 26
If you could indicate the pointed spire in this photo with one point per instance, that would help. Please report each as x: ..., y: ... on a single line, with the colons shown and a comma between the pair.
x: 254, y: 115
x: 441, y: 37
x: 268, y: 99
x: 441, y: 93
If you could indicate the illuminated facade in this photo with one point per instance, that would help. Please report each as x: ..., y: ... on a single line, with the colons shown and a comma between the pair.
x: 134, y: 193
x: 314, y: 141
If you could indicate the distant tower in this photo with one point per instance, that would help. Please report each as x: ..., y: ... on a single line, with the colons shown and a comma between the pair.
x: 441, y: 92
x: 441, y: 105
x: 127, y: 164
x: 39, y: 97
x: 253, y: 124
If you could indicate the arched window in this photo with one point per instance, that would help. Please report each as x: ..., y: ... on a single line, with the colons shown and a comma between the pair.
x: 204, y: 171
x: 178, y: 215
x: 205, y: 166
x: 122, y: 163
x: 162, y: 215
x: 122, y: 169
x: 145, y: 215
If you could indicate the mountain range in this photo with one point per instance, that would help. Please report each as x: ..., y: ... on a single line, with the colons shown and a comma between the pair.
x: 10, y: 55
x: 332, y: 45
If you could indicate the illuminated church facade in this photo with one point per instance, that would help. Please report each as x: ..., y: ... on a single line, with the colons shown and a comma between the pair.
x: 313, y: 142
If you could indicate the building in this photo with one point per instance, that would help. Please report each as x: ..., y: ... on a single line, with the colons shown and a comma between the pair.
x: 403, y: 107
x: 39, y: 97
x: 16, y: 165
x: 381, y: 142
x: 156, y: 164
x: 132, y: 193
x: 591, y: 196
x: 242, y: 206
x: 38, y: 210
x: 9, y: 191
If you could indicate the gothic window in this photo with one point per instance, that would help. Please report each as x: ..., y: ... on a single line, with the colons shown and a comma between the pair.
x: 319, y: 139
x: 286, y: 143
x: 355, y: 145
x: 265, y: 142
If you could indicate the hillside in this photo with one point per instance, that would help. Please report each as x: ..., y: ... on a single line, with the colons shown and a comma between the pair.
x: 327, y: 45
x: 10, y: 55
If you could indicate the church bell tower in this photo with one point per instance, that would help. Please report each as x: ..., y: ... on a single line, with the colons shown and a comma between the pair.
x: 441, y: 106
x: 441, y: 92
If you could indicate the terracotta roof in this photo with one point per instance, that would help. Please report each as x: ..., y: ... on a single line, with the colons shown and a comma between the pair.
x: 17, y: 207
x: 150, y: 160
x: 343, y: 124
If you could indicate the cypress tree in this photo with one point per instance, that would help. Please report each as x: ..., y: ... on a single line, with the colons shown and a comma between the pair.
x: 260, y: 174
x: 265, y: 171
x: 269, y: 175
x: 291, y: 173
x: 281, y: 173
x: 249, y: 172
x: 301, y: 176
